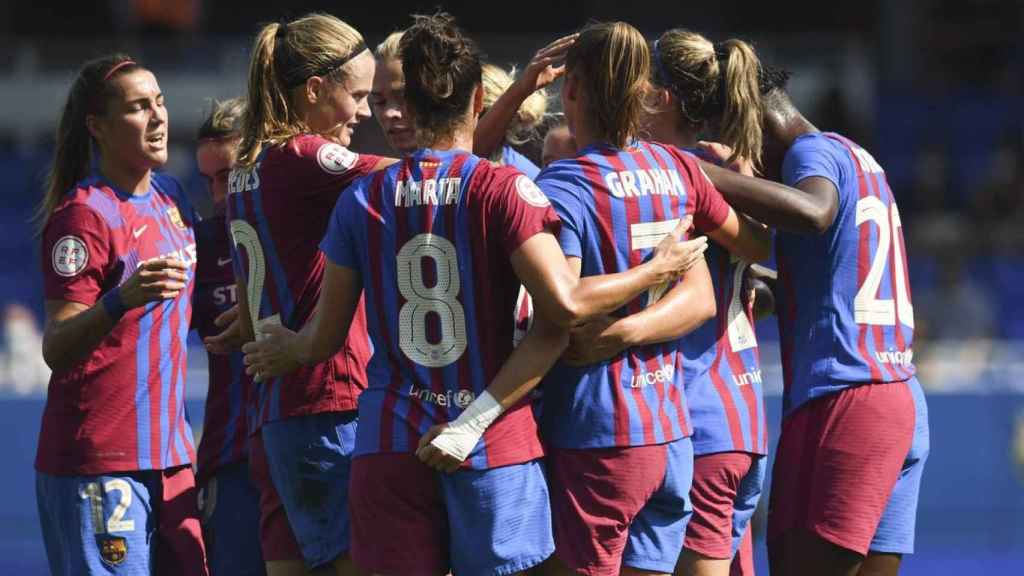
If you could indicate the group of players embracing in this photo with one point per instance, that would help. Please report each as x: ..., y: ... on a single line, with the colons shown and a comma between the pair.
x: 453, y: 361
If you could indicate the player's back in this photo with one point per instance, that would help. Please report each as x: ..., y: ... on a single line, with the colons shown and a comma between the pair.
x: 845, y: 314
x: 615, y: 206
x: 432, y: 236
x: 278, y: 210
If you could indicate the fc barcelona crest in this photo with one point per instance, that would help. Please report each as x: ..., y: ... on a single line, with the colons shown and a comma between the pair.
x: 175, y: 217
x: 113, y: 549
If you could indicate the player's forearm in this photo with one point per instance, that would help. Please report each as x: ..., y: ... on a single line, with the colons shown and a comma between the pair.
x: 490, y: 130
x: 682, y: 310
x: 774, y: 204
x: 597, y: 295
x: 529, y: 362
x: 68, y: 340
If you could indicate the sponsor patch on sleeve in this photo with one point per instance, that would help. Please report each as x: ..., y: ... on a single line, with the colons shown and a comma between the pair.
x: 335, y: 158
x: 529, y: 192
x: 70, y: 255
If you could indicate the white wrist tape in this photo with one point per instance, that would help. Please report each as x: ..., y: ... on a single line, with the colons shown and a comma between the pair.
x: 462, y: 435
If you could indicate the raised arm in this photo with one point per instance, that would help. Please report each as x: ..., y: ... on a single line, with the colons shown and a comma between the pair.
x: 542, y: 70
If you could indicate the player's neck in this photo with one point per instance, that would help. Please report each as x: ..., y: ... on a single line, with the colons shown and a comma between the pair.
x: 130, y: 180
x: 460, y: 140
x: 682, y: 139
x: 585, y: 136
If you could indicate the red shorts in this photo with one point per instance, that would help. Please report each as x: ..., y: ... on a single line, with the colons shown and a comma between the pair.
x: 276, y: 537
x: 617, y: 507
x: 182, y: 550
x: 838, y: 460
x: 719, y: 491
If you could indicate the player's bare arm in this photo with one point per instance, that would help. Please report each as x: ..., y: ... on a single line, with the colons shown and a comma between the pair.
x: 689, y: 303
x: 543, y: 69
x: 568, y: 301
x: 810, y: 207
x: 280, y: 351
x: 73, y: 330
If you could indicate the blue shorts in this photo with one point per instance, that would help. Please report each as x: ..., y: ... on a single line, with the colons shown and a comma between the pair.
x: 408, y: 519
x: 122, y: 523
x: 230, y: 508
x: 309, y: 459
x: 622, y: 506
x: 895, y: 532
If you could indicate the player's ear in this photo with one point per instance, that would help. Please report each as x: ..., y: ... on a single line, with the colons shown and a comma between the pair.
x: 94, y: 126
x: 478, y: 100
x: 312, y: 89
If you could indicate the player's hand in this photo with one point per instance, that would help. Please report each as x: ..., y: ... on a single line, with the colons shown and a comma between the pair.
x: 154, y: 280
x: 547, y: 65
x: 718, y: 150
x: 594, y: 342
x: 673, y: 257
x: 433, y: 456
x: 231, y: 338
x: 271, y: 354
x: 757, y: 289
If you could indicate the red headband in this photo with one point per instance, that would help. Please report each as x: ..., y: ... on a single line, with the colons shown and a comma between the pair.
x: 117, y: 67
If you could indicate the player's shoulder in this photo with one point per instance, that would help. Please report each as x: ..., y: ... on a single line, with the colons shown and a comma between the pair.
x: 314, y: 152
x: 90, y: 202
x: 817, y: 144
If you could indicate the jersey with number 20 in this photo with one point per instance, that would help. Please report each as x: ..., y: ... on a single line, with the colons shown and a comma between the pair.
x: 845, y: 315
x: 431, y: 238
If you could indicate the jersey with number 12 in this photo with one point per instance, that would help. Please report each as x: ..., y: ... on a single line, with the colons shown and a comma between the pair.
x: 844, y: 308
x: 431, y: 237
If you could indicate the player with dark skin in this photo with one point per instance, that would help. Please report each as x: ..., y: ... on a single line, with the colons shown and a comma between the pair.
x: 809, y: 207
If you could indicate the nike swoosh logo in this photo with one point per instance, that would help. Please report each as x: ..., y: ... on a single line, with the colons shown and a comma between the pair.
x: 223, y: 261
x: 138, y: 231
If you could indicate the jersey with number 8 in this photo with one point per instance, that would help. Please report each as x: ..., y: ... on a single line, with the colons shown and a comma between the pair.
x: 845, y: 312
x: 431, y: 238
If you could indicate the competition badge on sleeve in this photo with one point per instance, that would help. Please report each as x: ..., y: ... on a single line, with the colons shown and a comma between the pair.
x: 335, y: 159
x: 530, y: 193
x: 70, y: 255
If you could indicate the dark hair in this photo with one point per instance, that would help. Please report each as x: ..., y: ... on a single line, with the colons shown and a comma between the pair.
x: 89, y: 95
x: 614, y: 60
x: 442, y: 66
x: 223, y: 121
x: 771, y: 78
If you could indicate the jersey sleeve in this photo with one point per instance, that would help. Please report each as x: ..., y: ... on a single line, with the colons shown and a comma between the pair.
x: 812, y: 156
x: 709, y: 207
x: 339, y: 243
x: 76, y: 255
x: 329, y: 166
x: 521, y: 211
x: 568, y: 206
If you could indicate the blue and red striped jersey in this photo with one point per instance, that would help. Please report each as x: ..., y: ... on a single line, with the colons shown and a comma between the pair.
x: 615, y: 206
x: 722, y: 368
x: 278, y: 211
x: 225, y: 433
x: 845, y: 314
x: 122, y: 407
x: 431, y: 238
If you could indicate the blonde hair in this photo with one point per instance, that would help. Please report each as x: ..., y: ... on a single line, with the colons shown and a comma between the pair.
x: 283, y: 57
x: 615, y: 62
x: 714, y: 81
x: 389, y: 48
x: 530, y: 113
x: 224, y: 120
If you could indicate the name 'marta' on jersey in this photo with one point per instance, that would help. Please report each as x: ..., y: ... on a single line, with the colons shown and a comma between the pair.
x: 225, y: 433
x: 121, y: 408
x: 845, y: 315
x: 431, y: 237
x: 278, y: 211
x: 615, y: 206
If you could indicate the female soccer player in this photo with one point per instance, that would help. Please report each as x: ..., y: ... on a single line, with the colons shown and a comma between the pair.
x: 387, y: 100
x: 438, y: 242
x: 308, y: 85
x: 626, y: 409
x: 697, y: 81
x: 228, y: 499
x: 114, y: 478
x: 855, y: 425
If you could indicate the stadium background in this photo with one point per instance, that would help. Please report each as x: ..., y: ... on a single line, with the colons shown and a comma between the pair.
x: 933, y: 88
